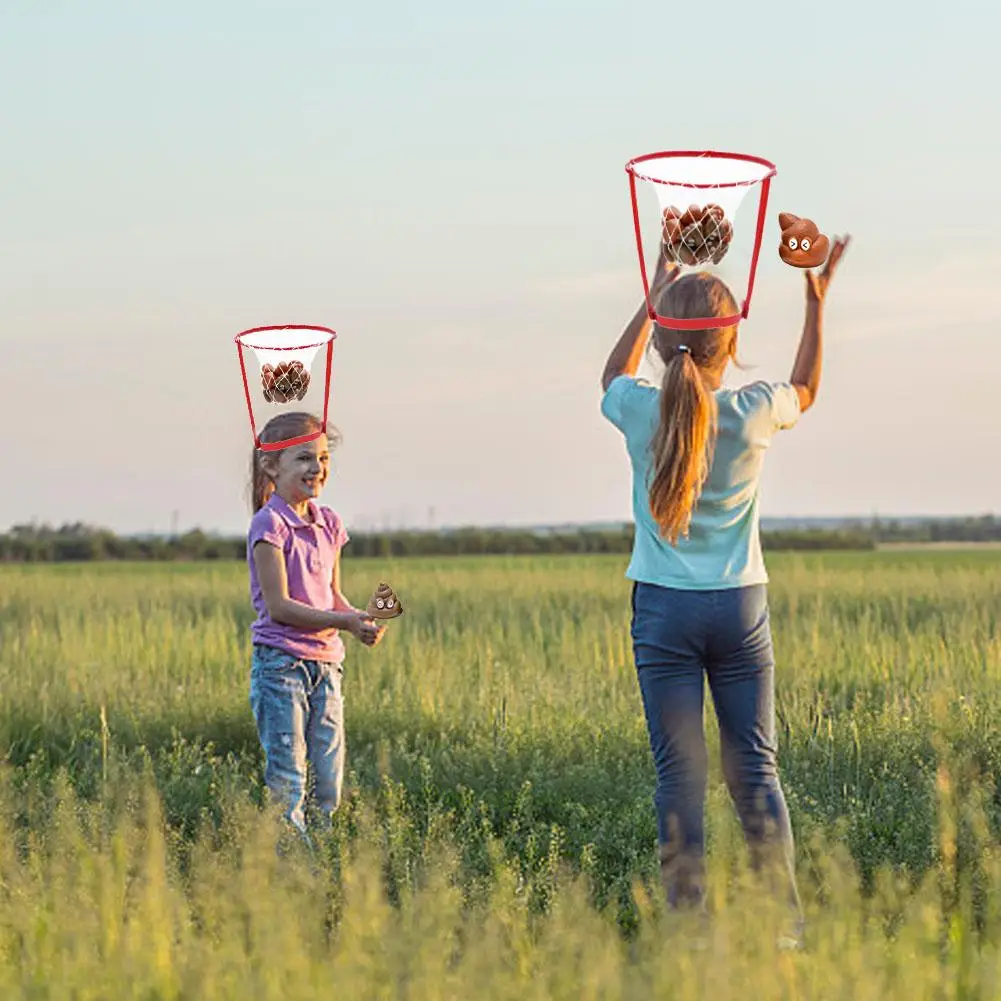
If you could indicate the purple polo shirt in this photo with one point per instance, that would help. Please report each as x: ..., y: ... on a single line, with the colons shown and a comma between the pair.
x: 310, y: 548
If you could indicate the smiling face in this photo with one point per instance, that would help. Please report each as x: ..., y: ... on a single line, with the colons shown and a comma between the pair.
x: 300, y: 472
x: 803, y: 245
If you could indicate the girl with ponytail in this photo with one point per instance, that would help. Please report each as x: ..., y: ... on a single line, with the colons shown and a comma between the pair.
x: 297, y: 666
x: 699, y: 599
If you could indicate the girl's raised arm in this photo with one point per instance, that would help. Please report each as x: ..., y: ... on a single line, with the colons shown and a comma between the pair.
x: 628, y: 351
x: 809, y: 358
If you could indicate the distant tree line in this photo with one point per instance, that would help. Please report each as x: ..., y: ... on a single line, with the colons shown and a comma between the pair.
x: 985, y: 528
x: 80, y: 542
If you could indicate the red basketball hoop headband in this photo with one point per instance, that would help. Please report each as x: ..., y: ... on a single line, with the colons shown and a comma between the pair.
x: 699, y: 192
x: 285, y: 355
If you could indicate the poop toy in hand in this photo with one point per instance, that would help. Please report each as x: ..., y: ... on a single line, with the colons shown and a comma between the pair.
x: 384, y: 604
x: 697, y: 235
x: 803, y: 245
x: 286, y: 381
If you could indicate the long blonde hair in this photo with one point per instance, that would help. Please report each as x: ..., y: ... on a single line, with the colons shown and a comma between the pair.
x: 280, y: 428
x: 684, y: 443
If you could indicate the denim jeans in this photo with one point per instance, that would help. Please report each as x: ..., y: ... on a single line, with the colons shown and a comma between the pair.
x: 679, y: 639
x: 299, y: 712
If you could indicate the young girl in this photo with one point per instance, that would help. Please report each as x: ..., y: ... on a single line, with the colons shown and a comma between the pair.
x: 293, y: 548
x: 699, y: 601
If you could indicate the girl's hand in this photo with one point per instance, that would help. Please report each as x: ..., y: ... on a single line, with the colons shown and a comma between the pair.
x: 816, y: 285
x: 667, y: 271
x: 364, y: 629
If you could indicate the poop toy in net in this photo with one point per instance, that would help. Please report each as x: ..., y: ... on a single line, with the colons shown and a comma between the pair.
x: 284, y: 382
x: 384, y: 604
x: 697, y: 235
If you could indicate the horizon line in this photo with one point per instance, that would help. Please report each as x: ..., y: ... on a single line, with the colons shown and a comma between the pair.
x: 541, y: 527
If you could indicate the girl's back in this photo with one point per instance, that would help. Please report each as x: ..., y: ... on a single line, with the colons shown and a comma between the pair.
x: 722, y: 548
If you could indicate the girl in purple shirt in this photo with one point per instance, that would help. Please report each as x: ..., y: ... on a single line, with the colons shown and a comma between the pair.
x: 293, y: 549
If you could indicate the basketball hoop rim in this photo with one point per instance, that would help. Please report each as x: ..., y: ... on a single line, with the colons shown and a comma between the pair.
x: 707, y: 153
x: 331, y: 335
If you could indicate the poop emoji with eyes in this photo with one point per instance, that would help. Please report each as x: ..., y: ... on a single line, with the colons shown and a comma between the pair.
x: 697, y: 235
x: 384, y: 604
x: 802, y: 245
x: 286, y: 381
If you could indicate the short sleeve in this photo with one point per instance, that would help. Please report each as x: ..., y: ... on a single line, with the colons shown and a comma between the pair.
x: 786, y: 408
x: 267, y: 526
x: 335, y: 525
x: 620, y: 400
x: 776, y: 402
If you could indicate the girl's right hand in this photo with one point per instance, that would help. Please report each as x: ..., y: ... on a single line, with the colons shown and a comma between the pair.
x: 364, y: 628
x: 816, y: 285
x: 665, y: 273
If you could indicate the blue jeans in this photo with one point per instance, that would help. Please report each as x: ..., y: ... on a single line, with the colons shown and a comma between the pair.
x: 679, y: 639
x: 299, y: 712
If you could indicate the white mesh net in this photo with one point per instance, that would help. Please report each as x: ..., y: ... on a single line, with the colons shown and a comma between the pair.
x: 699, y: 197
x: 285, y: 356
x: 700, y: 234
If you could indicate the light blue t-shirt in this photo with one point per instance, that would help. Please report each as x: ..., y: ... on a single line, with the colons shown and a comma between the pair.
x: 723, y: 547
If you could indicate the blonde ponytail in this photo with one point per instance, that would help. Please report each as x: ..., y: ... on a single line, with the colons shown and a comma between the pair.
x: 682, y: 446
x: 684, y: 443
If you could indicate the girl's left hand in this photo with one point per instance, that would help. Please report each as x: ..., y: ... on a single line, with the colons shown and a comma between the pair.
x: 364, y: 628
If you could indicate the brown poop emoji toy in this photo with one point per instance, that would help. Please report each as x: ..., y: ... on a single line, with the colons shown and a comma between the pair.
x: 286, y: 381
x: 803, y: 245
x: 697, y: 235
x: 384, y: 604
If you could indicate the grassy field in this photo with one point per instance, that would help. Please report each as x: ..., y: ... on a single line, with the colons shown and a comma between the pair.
x: 498, y: 839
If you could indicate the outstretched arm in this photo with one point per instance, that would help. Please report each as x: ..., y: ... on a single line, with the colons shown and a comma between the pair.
x: 628, y: 351
x: 809, y: 358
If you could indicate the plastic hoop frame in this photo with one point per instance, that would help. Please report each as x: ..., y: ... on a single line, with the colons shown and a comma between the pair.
x: 305, y: 342
x: 763, y: 176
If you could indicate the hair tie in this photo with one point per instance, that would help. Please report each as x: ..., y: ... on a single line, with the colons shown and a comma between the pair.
x: 685, y: 348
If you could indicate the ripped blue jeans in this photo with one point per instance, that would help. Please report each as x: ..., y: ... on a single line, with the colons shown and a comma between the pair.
x: 299, y: 711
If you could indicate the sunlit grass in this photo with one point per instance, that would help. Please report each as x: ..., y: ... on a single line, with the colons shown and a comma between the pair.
x: 499, y: 837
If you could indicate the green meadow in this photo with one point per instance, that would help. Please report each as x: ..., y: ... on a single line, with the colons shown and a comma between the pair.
x: 498, y: 837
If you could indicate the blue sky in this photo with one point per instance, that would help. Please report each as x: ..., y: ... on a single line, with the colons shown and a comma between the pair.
x: 443, y: 184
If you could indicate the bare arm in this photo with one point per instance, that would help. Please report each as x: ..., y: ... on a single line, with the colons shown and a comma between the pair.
x: 810, y: 356
x: 628, y: 351
x: 270, y: 565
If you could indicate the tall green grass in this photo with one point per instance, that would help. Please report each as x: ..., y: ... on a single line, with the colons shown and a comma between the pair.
x: 499, y: 833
